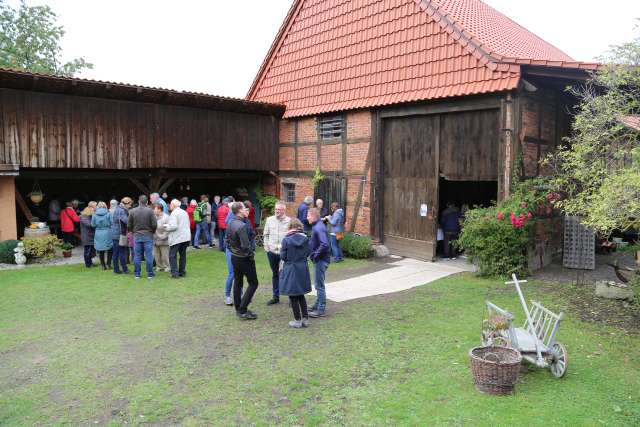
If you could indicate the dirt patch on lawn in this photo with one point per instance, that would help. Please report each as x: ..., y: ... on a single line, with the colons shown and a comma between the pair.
x: 582, y: 302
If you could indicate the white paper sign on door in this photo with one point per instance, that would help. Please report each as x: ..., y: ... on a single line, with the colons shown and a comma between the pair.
x: 424, y: 209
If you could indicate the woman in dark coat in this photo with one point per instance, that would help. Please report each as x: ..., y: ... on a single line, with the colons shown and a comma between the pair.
x: 295, y: 280
x: 87, y: 234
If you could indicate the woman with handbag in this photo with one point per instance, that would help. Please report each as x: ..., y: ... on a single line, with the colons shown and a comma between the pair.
x: 336, y: 231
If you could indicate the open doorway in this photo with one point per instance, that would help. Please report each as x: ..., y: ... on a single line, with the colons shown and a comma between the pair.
x: 464, y: 195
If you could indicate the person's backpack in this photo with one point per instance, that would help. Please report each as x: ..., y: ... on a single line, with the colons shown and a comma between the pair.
x: 200, y: 213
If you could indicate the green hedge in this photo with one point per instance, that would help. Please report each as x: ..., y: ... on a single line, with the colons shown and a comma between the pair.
x: 356, y: 246
x: 6, y: 251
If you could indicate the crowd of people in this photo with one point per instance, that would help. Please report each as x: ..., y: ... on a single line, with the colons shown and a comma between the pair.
x: 159, y: 233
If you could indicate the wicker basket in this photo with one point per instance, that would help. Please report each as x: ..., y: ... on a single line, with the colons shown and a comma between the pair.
x: 495, y: 369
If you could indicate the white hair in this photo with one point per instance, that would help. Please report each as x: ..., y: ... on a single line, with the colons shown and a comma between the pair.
x: 113, y: 203
x: 175, y: 203
x: 308, y: 200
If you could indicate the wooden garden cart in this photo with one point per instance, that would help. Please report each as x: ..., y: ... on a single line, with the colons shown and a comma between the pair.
x: 536, y: 339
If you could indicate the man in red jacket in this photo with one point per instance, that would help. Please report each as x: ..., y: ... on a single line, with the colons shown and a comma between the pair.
x: 221, y: 217
x: 68, y: 219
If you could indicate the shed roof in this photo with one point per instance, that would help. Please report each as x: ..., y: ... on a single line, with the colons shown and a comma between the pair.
x: 23, y: 80
x: 333, y: 55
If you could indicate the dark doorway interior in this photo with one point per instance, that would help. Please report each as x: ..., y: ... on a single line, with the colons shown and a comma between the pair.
x: 87, y: 189
x: 465, y: 194
x: 470, y: 193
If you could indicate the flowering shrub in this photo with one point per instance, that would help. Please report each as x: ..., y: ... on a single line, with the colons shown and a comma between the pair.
x: 498, y: 237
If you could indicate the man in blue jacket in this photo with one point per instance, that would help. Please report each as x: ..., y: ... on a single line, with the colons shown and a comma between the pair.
x: 320, y: 256
x: 302, y: 213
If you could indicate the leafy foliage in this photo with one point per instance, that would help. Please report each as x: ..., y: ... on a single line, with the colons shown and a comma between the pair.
x: 498, y: 237
x: 598, y: 169
x: 41, y: 247
x: 356, y: 246
x: 6, y: 251
x: 30, y: 41
x: 267, y: 201
x: 317, y: 178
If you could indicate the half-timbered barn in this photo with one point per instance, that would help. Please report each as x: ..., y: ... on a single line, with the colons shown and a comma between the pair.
x: 404, y: 105
x: 76, y: 138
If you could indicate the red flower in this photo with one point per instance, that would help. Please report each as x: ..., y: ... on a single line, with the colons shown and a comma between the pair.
x: 529, y: 215
x: 500, y: 216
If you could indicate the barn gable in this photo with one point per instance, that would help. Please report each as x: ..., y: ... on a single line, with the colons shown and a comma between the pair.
x: 335, y: 55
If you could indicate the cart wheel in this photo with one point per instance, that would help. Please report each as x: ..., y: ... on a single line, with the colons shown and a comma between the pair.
x: 560, y: 360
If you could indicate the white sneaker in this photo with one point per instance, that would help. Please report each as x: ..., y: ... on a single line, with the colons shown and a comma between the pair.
x: 227, y: 301
x: 296, y: 324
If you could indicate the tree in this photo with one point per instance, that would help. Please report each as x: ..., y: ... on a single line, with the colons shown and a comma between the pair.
x: 30, y: 41
x: 598, y: 167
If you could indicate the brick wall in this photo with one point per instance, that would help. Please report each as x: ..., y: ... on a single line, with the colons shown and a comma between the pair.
x: 357, y: 140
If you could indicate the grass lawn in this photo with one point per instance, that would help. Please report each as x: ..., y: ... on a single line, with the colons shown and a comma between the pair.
x: 86, y: 347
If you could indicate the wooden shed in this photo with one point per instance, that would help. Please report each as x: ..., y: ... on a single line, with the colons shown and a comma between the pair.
x: 81, y: 138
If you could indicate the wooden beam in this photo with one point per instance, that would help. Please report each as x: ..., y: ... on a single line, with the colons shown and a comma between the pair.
x: 356, y: 210
x: 166, y: 185
x: 154, y: 184
x: 141, y: 186
x: 23, y: 206
x: 452, y: 106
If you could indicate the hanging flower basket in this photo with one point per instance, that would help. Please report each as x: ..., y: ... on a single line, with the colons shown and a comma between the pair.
x: 36, y: 197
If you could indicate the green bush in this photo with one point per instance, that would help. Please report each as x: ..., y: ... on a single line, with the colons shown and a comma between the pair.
x: 498, y: 237
x: 356, y: 246
x: 6, y: 251
x: 268, y: 203
x: 41, y: 247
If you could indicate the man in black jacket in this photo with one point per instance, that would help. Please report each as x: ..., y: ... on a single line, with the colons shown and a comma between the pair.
x: 242, y: 251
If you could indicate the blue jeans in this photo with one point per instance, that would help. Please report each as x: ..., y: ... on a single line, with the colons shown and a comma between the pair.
x: 229, y: 283
x: 202, y: 227
x: 221, y: 235
x: 336, y: 250
x: 274, y: 263
x: 320, y: 268
x: 119, y: 257
x: 143, y: 245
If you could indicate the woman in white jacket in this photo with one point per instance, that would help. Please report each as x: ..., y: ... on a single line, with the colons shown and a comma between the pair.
x: 179, y: 239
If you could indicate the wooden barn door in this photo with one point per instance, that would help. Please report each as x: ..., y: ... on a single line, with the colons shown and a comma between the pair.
x: 410, y: 171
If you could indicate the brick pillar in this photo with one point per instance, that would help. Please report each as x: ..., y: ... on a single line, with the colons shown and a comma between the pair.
x: 8, y: 225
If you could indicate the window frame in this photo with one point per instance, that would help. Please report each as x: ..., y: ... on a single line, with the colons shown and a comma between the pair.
x: 332, y: 127
x: 289, y: 189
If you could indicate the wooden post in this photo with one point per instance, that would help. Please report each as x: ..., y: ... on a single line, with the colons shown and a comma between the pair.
x: 8, y: 225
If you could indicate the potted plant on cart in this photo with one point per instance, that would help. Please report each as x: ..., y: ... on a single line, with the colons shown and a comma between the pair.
x: 66, y: 249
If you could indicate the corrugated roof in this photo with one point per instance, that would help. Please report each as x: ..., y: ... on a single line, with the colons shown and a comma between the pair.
x: 333, y: 55
x: 24, y: 80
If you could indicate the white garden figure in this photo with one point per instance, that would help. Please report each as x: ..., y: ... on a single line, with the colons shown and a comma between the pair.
x: 21, y: 259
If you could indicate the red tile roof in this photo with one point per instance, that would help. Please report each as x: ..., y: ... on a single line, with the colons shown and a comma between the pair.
x: 334, y: 55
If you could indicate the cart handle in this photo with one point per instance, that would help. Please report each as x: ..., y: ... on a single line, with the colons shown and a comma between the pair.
x: 515, y: 281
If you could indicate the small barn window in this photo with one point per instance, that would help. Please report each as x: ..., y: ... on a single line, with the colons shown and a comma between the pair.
x: 289, y: 192
x: 331, y: 127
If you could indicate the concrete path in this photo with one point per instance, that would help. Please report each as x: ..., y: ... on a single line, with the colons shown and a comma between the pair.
x: 404, y: 274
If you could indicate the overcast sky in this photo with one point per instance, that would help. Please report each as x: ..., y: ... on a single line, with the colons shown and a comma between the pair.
x: 217, y: 46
